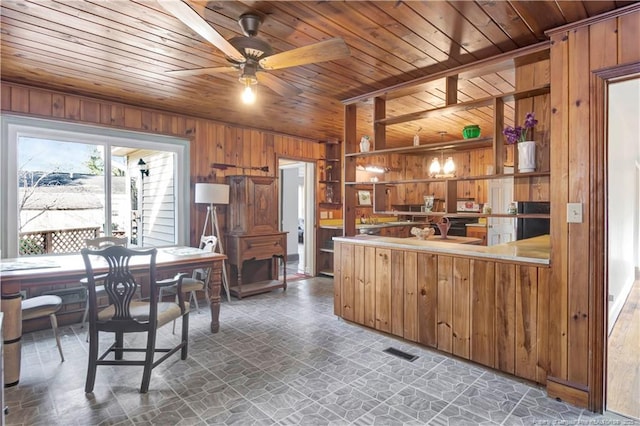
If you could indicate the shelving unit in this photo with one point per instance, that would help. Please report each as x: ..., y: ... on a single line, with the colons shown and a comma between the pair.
x: 484, y: 158
x: 329, y: 183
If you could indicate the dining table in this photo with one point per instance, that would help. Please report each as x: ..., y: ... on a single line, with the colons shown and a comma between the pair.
x: 60, y: 269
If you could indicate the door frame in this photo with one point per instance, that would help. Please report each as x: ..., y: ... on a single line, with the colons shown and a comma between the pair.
x: 309, y: 208
x: 599, y: 285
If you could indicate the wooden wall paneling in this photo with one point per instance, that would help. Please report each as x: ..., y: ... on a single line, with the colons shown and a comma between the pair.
x: 359, y: 292
x: 628, y: 32
x: 396, y: 279
x: 231, y: 150
x: 347, y: 283
x: 410, y: 296
x: 461, y: 307
x: 559, y: 53
x: 40, y: 103
x: 5, y: 98
x: 427, y: 299
x: 20, y: 99
x: 505, y: 317
x: 579, y: 170
x: 483, y: 312
x: 526, y: 316
x: 383, y: 289
x: 132, y: 115
x: 542, y: 326
x: 339, y: 272
x: 445, y: 303
x: 370, y: 287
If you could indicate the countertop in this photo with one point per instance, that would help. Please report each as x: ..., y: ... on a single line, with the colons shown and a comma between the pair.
x: 377, y: 225
x: 535, y: 250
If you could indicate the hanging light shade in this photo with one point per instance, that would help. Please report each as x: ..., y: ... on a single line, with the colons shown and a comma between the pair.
x: 449, y: 167
x: 434, y: 169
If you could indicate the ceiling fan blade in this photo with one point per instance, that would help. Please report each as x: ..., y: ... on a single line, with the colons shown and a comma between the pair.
x: 190, y: 18
x: 278, y: 85
x: 200, y: 71
x: 327, y: 50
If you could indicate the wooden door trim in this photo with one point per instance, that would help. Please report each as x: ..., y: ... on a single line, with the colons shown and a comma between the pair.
x: 599, y: 285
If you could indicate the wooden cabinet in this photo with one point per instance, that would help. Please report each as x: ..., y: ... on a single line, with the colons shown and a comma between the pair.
x: 254, y: 205
x: 407, y: 177
x: 324, y: 258
x: 478, y: 232
x: 256, y: 250
x: 488, y: 312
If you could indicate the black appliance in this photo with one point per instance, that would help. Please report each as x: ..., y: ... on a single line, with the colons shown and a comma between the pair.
x: 458, y: 226
x: 532, y: 227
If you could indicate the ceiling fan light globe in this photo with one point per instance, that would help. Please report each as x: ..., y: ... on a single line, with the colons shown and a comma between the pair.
x: 248, y: 95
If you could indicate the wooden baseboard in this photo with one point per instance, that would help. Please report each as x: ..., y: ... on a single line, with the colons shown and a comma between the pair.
x: 572, y: 393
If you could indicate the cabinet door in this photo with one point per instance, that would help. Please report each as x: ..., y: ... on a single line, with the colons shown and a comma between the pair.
x: 500, y: 229
x: 383, y: 290
x: 427, y: 298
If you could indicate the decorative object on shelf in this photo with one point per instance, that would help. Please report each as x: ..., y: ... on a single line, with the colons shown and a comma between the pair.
x: 365, y: 144
x: 374, y: 179
x: 512, y: 209
x: 486, y: 208
x: 526, y: 148
x: 364, y: 198
x: 416, y: 137
x: 428, y: 203
x: 471, y: 131
x: 328, y: 194
x: 526, y: 156
x: 423, y: 233
x: 328, y: 169
x: 444, y: 226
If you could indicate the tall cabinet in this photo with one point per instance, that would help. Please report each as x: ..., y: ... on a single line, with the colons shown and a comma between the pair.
x: 256, y: 250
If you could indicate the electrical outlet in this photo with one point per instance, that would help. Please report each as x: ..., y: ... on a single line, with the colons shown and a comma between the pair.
x: 574, y: 212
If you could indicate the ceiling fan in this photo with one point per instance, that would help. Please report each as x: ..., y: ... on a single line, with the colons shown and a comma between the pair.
x: 251, y: 56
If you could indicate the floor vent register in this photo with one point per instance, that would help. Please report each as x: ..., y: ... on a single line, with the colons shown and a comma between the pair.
x: 401, y: 354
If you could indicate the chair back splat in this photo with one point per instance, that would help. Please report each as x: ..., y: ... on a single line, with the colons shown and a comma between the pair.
x: 126, y: 315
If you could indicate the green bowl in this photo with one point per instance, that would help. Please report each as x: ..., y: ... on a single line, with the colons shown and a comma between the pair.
x: 470, y: 132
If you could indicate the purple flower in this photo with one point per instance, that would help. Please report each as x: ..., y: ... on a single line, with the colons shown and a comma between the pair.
x: 518, y: 133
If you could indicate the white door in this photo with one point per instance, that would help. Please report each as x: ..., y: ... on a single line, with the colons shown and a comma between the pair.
x: 500, y: 229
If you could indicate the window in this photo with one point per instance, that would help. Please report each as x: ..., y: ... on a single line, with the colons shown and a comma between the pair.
x: 62, y: 188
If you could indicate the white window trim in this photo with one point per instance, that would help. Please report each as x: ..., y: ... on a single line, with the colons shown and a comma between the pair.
x: 13, y: 127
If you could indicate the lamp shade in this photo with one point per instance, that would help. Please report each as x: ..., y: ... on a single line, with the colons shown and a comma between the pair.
x: 212, y: 193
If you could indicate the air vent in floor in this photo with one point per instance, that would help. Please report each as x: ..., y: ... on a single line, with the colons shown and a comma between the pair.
x: 401, y: 354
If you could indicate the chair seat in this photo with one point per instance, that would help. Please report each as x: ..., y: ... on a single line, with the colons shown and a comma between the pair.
x: 167, y: 312
x: 40, y: 306
x: 191, y: 284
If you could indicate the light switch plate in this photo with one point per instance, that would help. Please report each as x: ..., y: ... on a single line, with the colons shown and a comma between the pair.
x: 574, y: 212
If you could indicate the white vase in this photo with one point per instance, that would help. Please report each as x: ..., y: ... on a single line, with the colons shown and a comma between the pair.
x: 526, y: 156
x: 364, y: 144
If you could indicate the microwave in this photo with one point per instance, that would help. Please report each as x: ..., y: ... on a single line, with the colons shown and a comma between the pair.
x: 467, y: 206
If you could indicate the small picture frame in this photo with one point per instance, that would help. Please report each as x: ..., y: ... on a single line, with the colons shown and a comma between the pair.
x: 364, y: 198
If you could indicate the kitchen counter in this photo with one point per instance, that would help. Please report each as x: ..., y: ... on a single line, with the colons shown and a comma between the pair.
x: 533, y: 250
x: 377, y: 225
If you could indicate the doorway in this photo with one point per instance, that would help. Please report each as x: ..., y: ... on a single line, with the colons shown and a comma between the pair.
x: 297, y: 214
x: 623, y: 253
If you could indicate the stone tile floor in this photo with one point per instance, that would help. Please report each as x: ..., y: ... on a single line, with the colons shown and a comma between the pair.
x: 280, y: 358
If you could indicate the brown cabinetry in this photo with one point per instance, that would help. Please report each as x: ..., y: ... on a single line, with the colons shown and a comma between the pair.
x: 478, y: 232
x: 255, y: 247
x: 484, y: 311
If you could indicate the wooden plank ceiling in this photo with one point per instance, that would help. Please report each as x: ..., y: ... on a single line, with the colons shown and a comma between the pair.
x: 121, y: 51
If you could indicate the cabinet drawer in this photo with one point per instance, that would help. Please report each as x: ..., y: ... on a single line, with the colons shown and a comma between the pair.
x: 261, y: 246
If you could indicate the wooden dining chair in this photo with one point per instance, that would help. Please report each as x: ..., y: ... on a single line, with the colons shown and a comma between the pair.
x: 126, y: 315
x: 100, y: 242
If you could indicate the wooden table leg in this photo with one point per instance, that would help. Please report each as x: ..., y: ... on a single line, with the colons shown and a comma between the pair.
x: 214, y: 295
x: 11, y: 306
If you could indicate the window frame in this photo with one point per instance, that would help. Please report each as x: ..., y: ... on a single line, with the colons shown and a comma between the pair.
x: 13, y: 127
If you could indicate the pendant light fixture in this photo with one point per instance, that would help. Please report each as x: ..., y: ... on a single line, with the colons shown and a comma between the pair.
x: 441, y: 168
